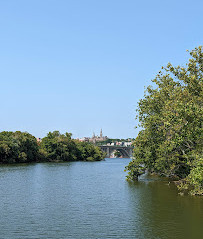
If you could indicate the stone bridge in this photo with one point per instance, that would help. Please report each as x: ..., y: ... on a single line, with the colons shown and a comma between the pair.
x: 126, y: 152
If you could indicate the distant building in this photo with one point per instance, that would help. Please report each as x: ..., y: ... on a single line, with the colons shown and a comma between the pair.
x: 97, y: 138
x: 84, y: 139
x: 126, y: 144
x: 111, y: 142
x: 94, y: 138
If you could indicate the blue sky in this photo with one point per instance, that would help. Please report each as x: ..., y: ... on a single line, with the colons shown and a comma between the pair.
x: 81, y: 65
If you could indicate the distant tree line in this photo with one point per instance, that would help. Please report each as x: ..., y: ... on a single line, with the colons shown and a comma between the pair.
x: 22, y: 147
x: 171, y: 116
x: 109, y: 141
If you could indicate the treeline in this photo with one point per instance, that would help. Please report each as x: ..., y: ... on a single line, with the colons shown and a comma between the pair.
x: 109, y: 141
x: 171, y: 117
x: 22, y: 147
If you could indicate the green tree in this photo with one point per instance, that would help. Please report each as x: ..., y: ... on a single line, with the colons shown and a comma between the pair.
x: 170, y: 142
x: 18, y: 147
x: 117, y: 154
x: 60, y: 147
x: 89, y: 152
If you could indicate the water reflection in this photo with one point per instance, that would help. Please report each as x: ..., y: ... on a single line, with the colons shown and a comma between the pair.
x: 92, y: 200
x: 163, y: 213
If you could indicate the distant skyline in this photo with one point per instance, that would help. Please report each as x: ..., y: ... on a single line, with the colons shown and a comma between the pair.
x: 78, y: 66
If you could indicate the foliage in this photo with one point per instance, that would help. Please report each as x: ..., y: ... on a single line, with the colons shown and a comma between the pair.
x: 117, y: 154
x: 61, y: 147
x: 109, y: 141
x: 56, y: 146
x: 18, y: 147
x: 89, y: 152
x: 170, y: 142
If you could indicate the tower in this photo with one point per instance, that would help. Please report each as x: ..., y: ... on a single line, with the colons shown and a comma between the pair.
x: 101, y: 134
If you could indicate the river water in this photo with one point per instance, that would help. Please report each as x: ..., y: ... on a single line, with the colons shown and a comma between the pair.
x: 92, y: 200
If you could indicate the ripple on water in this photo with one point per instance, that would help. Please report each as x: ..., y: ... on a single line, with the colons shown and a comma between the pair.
x: 80, y: 200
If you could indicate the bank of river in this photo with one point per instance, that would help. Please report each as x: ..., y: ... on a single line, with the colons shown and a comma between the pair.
x: 92, y: 200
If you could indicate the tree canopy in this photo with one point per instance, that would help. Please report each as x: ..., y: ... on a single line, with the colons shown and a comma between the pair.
x: 22, y: 147
x: 18, y: 147
x: 61, y: 147
x: 170, y: 115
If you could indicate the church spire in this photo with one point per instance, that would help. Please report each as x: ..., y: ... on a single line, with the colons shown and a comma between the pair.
x: 101, y: 134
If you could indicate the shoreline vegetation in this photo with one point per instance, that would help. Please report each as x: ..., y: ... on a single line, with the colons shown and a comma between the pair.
x: 22, y: 147
x: 170, y: 141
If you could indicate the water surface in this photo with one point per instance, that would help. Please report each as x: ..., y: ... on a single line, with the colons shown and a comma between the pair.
x: 92, y: 200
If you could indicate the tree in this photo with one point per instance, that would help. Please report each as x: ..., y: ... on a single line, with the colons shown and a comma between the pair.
x: 18, y: 147
x: 60, y: 147
x: 117, y: 154
x: 170, y: 142
x: 56, y: 146
x: 89, y: 152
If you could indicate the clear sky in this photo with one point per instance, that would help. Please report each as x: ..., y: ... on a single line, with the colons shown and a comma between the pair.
x: 81, y: 65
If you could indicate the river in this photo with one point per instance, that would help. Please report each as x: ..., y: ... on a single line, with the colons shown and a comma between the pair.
x: 92, y: 200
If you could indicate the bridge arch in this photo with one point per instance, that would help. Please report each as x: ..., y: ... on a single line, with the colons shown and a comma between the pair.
x: 123, y: 152
x: 126, y: 152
